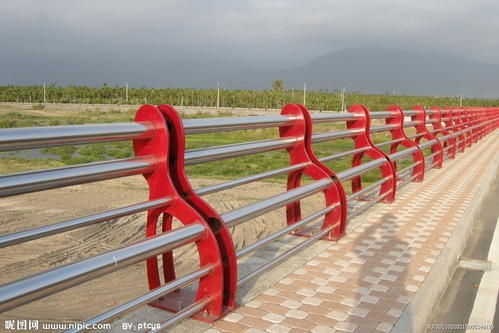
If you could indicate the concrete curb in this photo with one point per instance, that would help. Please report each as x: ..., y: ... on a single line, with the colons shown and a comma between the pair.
x: 420, y: 310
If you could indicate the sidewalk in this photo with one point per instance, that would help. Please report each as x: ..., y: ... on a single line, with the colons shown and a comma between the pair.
x: 388, y: 273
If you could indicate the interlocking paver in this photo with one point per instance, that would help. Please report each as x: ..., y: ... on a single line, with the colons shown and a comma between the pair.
x: 252, y: 330
x: 384, y: 327
x: 394, y: 312
x: 312, y: 301
x: 313, y: 309
x: 274, y: 318
x: 255, y: 322
x: 298, y: 323
x: 364, y: 281
x: 233, y: 317
x: 325, y: 290
x: 322, y: 329
x: 291, y: 304
x: 278, y: 328
x: 345, y: 326
x: 251, y: 312
x: 337, y: 315
x: 358, y: 311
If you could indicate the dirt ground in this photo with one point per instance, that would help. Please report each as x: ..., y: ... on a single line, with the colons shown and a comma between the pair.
x: 88, y: 299
x: 61, y: 110
x: 91, y: 298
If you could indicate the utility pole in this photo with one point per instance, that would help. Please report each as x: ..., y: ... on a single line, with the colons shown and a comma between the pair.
x: 44, y: 93
x: 305, y: 94
x: 218, y: 95
x: 126, y: 92
x: 342, y: 100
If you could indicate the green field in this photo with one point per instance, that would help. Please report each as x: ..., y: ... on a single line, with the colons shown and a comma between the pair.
x: 50, y: 115
x: 116, y: 107
x: 264, y: 99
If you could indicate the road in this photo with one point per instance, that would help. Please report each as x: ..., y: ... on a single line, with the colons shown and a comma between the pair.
x: 471, y: 297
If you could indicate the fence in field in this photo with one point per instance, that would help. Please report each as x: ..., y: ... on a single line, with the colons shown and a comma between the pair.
x: 385, y: 150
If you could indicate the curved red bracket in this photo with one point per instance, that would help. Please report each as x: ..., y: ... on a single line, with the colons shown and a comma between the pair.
x: 458, y: 129
x: 363, y: 140
x: 182, y: 184
x: 468, y: 124
x: 493, y: 116
x: 301, y: 153
x: 423, y: 133
x: 475, y: 116
x: 160, y: 186
x: 398, y: 134
x: 448, y: 145
x: 490, y: 120
x: 448, y: 120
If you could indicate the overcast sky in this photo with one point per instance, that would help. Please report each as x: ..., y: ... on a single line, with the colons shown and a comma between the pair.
x: 186, y: 42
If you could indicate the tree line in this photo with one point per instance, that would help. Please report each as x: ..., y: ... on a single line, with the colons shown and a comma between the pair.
x: 274, y: 98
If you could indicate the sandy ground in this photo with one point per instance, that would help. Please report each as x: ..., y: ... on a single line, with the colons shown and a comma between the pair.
x: 90, y: 298
x: 61, y: 110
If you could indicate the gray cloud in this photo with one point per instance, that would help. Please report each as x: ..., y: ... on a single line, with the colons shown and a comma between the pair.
x: 179, y: 42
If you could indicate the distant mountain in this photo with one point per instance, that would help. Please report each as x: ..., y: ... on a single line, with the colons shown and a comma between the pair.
x: 382, y: 70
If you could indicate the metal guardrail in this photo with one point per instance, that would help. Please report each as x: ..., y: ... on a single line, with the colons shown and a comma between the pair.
x: 409, y: 149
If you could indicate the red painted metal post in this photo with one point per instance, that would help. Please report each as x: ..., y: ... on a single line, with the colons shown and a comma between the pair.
x: 302, y: 153
x: 160, y: 220
x: 465, y: 120
x: 480, y: 119
x: 448, y: 145
x: 492, y: 119
x: 423, y: 133
x: 183, y: 186
x: 494, y: 115
x: 458, y: 128
x: 398, y: 133
x: 451, y: 127
x: 363, y: 140
x: 473, y: 114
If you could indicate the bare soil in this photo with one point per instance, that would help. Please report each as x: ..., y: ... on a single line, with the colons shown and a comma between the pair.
x: 63, y: 110
x: 93, y: 297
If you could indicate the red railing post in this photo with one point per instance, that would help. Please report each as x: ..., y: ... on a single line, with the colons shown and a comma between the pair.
x: 302, y: 153
x: 480, y: 119
x: 423, y: 133
x: 398, y: 133
x: 491, y: 118
x: 494, y: 118
x: 458, y: 128
x: 451, y: 127
x: 494, y: 114
x: 472, y: 119
x: 159, y: 220
x: 448, y: 145
x: 363, y: 140
x: 182, y: 184
x: 465, y: 121
x: 475, y: 114
x: 484, y: 121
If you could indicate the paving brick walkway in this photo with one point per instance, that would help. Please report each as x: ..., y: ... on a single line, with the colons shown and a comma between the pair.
x: 374, y: 276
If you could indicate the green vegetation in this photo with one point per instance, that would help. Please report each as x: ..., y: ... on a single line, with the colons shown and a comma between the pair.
x: 220, y: 169
x: 265, y: 99
x: 224, y: 169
